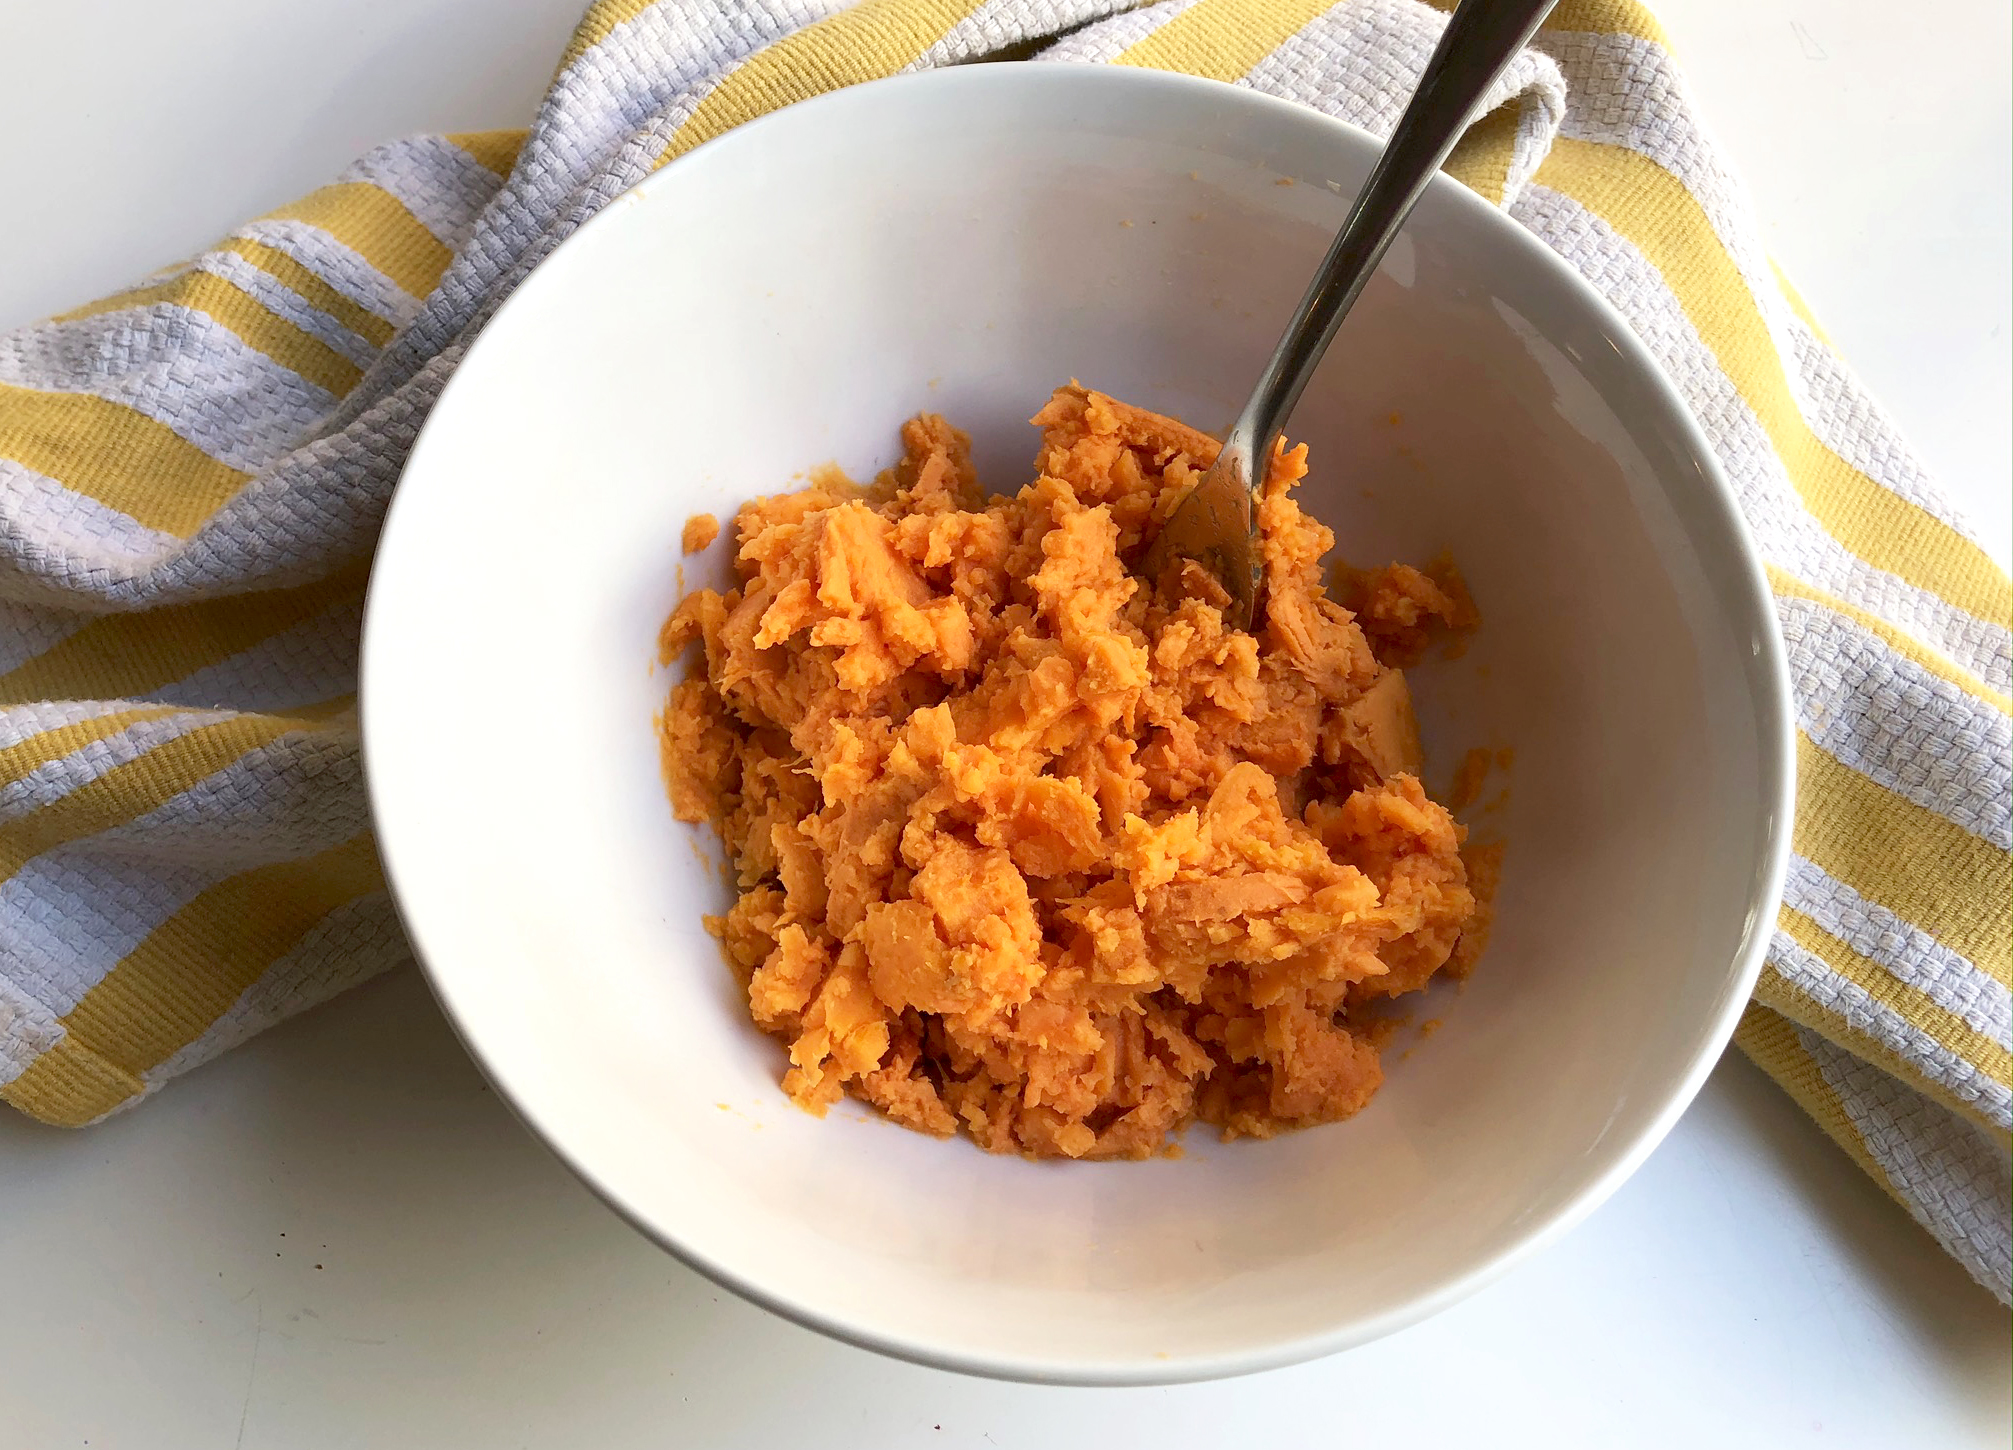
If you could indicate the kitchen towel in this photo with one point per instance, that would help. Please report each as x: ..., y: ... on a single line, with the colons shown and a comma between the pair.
x: 192, y: 474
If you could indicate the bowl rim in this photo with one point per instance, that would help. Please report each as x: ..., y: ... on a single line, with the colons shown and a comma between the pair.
x: 1633, y: 364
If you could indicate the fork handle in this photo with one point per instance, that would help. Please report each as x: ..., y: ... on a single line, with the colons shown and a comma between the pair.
x: 1480, y: 40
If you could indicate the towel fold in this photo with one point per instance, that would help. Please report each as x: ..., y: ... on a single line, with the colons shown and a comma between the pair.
x: 193, y: 473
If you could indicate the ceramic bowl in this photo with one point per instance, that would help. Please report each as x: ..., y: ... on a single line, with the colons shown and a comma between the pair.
x: 962, y: 242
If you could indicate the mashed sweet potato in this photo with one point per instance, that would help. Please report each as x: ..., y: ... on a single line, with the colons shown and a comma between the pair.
x: 1030, y: 850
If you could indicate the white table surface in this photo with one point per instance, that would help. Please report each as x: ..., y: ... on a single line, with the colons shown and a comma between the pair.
x: 337, y: 1237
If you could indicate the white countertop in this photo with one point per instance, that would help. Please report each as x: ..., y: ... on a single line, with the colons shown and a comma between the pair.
x: 337, y: 1237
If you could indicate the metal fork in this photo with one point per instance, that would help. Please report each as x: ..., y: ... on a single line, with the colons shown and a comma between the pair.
x: 1217, y: 524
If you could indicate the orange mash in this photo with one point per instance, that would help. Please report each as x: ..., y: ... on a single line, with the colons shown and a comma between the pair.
x: 1031, y: 850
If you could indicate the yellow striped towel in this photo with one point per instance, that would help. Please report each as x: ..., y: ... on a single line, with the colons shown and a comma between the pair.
x: 192, y: 473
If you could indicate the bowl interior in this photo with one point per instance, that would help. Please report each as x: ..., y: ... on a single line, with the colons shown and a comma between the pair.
x: 962, y: 243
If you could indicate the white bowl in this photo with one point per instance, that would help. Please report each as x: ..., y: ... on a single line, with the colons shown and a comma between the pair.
x: 963, y: 241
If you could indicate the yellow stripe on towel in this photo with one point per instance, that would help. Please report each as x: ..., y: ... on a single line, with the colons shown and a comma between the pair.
x: 1915, y: 1007
x: 24, y: 757
x: 1481, y: 159
x: 1772, y: 1042
x: 1896, y: 854
x: 260, y: 328
x: 182, y: 977
x: 601, y: 21
x: 496, y: 150
x: 1223, y: 39
x: 374, y: 224
x: 117, y: 456
x: 311, y: 289
x: 1595, y: 17
x: 147, y: 782
x: 123, y: 656
x: 873, y: 39
x: 1906, y: 645
x: 1652, y: 209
